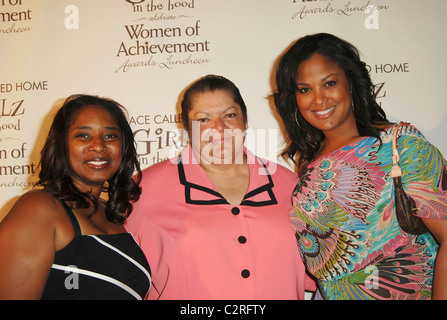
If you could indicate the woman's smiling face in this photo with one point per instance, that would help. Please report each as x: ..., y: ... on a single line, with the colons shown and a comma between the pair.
x: 324, y: 95
x: 94, y: 143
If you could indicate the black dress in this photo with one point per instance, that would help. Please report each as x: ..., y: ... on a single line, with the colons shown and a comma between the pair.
x: 93, y: 267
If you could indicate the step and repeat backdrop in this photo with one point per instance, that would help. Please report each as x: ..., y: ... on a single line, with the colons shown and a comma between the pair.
x: 144, y: 53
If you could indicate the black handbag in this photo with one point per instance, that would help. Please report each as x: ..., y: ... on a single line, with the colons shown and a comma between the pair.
x: 405, y: 205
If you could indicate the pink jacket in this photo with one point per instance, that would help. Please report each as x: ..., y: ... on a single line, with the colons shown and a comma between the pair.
x: 200, y: 247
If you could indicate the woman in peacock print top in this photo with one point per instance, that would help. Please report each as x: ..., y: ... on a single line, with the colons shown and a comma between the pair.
x: 343, y: 207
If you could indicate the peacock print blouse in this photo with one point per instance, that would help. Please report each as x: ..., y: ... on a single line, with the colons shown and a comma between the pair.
x: 344, y: 216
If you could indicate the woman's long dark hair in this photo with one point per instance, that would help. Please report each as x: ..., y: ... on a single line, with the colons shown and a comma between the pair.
x: 55, y: 171
x: 304, y: 143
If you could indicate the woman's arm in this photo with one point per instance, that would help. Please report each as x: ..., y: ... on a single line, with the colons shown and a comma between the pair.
x: 423, y: 171
x: 439, y: 229
x: 27, y: 247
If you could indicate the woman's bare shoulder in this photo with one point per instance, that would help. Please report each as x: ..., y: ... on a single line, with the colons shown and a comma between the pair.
x: 34, y: 203
x: 27, y: 239
x: 384, y: 125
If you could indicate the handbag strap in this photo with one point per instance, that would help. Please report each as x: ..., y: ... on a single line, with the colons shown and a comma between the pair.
x: 396, y: 170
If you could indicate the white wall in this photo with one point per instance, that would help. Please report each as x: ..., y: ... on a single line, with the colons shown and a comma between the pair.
x: 53, y: 48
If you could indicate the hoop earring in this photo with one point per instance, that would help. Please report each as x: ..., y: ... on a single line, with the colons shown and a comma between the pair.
x: 296, y: 120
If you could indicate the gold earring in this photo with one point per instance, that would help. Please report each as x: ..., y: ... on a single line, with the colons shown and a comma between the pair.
x: 296, y: 120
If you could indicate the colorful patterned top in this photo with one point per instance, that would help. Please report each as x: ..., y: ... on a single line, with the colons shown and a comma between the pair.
x: 344, y: 217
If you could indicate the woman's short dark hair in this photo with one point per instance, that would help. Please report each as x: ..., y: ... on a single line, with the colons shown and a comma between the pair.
x: 55, y: 173
x: 305, y: 142
x: 210, y: 83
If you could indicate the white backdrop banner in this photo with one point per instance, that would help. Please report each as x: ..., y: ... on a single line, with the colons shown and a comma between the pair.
x: 144, y: 53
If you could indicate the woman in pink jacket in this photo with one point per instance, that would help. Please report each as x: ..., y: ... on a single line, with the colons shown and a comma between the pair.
x: 214, y: 222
